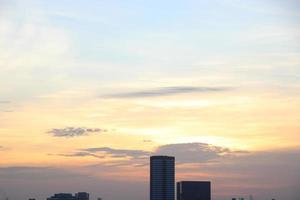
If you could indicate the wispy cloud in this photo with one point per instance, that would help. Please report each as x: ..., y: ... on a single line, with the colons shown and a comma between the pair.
x: 166, y: 91
x: 7, y: 111
x: 74, y: 131
x: 4, y: 148
x: 119, y: 152
x: 184, y: 153
x: 196, y: 152
x: 5, y: 102
x: 80, y: 154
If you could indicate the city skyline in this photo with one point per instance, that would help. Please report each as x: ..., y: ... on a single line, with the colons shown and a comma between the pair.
x: 90, y: 89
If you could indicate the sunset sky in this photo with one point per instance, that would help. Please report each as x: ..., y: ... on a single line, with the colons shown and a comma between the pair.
x: 90, y: 89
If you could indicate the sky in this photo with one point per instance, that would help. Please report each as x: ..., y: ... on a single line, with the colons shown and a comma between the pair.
x: 90, y: 89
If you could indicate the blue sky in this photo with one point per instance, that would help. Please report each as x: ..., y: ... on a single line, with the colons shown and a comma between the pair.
x: 153, y: 40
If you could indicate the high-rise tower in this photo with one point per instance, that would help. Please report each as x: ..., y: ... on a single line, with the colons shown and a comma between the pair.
x: 162, y: 178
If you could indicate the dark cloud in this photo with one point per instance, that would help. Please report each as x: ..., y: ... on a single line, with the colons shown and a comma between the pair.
x: 166, y: 91
x: 74, y: 131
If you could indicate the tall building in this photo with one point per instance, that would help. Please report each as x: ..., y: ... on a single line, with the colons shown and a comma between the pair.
x: 162, y: 178
x: 193, y: 190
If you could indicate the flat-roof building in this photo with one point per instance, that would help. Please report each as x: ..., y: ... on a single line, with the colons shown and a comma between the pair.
x: 162, y: 178
x: 193, y: 190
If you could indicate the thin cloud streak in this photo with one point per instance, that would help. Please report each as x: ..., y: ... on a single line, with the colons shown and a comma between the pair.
x: 74, y: 131
x: 5, y: 102
x: 119, y: 152
x: 167, y: 91
x: 80, y: 154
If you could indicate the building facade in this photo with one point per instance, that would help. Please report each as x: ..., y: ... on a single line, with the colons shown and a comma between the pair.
x: 162, y: 178
x: 193, y: 190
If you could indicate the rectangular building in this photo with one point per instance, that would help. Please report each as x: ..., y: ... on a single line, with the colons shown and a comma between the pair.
x: 82, y: 196
x: 62, y: 196
x: 69, y: 196
x: 193, y: 190
x: 162, y: 178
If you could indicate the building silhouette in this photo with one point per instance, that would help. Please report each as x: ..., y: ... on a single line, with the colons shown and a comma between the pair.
x: 82, y: 196
x: 162, y: 178
x: 193, y: 190
x: 69, y: 196
x: 62, y: 196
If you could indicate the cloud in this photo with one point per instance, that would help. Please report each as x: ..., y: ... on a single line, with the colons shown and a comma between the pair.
x: 265, y: 175
x: 80, y: 154
x: 184, y: 153
x: 166, y: 91
x: 119, y: 152
x: 196, y: 152
x: 231, y: 172
x: 7, y: 111
x: 3, y: 148
x: 5, y: 102
x: 73, y: 131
